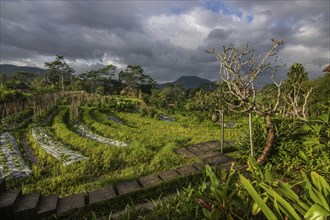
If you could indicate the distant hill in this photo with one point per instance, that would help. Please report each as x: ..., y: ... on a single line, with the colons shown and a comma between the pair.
x: 9, y: 69
x: 188, y: 82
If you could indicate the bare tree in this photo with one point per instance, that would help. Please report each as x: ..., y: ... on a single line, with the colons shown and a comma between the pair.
x: 294, y: 95
x: 296, y: 101
x: 238, y: 70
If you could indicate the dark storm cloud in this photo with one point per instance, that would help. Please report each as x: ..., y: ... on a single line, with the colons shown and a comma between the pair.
x: 168, y: 39
x: 217, y: 34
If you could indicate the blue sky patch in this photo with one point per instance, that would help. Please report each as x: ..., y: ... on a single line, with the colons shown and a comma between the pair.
x: 217, y: 6
x: 249, y: 18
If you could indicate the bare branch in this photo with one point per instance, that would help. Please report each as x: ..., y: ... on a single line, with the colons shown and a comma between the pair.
x: 240, y: 83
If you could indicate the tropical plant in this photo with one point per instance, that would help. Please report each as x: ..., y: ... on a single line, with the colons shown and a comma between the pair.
x: 277, y: 200
x: 300, y: 146
x: 222, y: 201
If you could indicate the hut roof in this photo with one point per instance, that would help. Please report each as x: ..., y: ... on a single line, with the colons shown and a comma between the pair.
x: 327, y: 69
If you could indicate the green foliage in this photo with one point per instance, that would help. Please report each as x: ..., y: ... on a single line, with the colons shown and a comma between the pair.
x: 150, y: 112
x: 319, y: 101
x: 134, y: 77
x: 8, y: 96
x: 170, y: 94
x: 59, y: 72
x: 276, y: 199
x: 222, y: 201
x: 16, y: 121
x: 299, y: 146
x: 121, y: 105
x: 98, y: 81
x: 206, y: 101
x: 297, y: 73
x: 182, y: 206
x: 150, y: 148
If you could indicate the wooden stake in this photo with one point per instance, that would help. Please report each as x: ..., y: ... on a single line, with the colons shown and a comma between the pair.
x: 250, y: 128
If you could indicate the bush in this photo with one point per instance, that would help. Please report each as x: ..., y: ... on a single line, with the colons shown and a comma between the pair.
x: 299, y: 145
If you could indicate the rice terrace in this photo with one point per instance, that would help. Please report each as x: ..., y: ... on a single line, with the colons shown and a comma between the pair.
x: 164, y: 111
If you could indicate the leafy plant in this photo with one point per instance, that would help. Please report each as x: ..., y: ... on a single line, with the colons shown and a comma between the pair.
x: 277, y: 200
x: 222, y: 201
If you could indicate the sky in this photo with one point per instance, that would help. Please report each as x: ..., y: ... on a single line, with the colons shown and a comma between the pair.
x: 167, y: 38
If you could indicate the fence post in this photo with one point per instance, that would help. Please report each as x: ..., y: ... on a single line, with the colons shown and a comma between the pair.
x: 222, y: 131
x: 250, y: 128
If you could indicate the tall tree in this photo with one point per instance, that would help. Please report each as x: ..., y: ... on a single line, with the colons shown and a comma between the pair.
x: 58, y: 70
x: 297, y: 73
x: 134, y: 77
x: 238, y: 71
x: 100, y: 77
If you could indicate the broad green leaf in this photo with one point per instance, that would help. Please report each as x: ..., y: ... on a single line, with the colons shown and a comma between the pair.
x: 216, y: 193
x: 277, y: 209
x: 307, y: 181
x: 255, y: 196
x: 288, y: 193
x: 255, y: 207
x: 287, y: 209
x: 317, y: 212
x: 286, y: 190
x: 320, y: 183
x: 318, y: 197
x: 213, y: 177
x: 231, y: 173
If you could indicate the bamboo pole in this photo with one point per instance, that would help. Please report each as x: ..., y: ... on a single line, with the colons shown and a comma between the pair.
x: 250, y: 128
x: 222, y: 131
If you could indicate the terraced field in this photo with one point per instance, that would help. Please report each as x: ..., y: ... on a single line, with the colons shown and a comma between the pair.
x: 105, y: 147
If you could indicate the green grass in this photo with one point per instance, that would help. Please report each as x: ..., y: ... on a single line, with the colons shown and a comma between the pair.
x: 154, y: 133
x: 151, y: 149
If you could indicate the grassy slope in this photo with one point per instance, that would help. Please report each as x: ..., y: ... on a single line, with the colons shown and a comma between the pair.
x: 152, y: 145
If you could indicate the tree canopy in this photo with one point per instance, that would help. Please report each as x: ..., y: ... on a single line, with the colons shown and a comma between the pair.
x: 297, y: 73
x: 134, y: 77
x: 58, y: 72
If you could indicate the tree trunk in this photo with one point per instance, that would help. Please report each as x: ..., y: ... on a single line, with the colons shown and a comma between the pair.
x: 270, y: 139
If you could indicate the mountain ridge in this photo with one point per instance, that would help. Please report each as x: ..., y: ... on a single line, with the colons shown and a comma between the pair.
x: 188, y: 82
x: 10, y: 69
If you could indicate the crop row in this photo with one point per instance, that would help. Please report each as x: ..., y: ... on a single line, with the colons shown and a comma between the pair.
x: 102, y: 156
x: 55, y: 148
x: 83, y: 130
x: 11, y: 160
